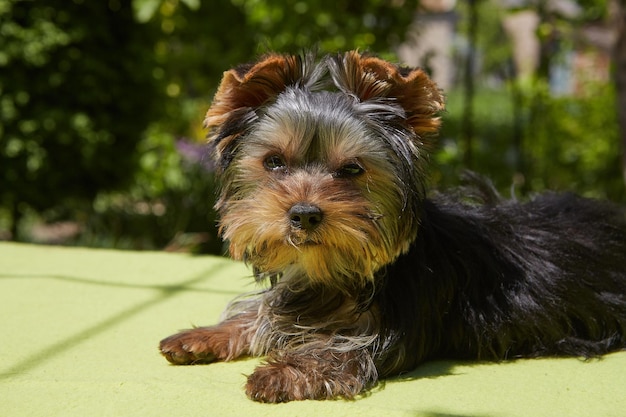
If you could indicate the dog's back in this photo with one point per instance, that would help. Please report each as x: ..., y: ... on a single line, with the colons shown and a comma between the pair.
x: 502, y: 279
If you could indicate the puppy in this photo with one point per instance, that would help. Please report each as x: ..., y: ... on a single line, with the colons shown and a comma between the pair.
x: 323, y: 166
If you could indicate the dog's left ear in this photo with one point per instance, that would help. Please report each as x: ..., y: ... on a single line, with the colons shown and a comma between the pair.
x: 368, y: 77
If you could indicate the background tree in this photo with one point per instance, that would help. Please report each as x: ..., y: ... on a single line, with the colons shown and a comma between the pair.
x: 76, y: 94
x: 571, y: 139
x: 469, y: 69
x: 527, y: 133
x: 619, y: 74
x: 200, y: 40
x: 331, y: 25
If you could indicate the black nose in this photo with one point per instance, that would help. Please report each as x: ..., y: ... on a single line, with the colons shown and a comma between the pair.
x: 305, y: 216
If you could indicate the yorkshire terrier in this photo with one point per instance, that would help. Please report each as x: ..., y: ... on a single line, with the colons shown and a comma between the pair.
x: 322, y: 165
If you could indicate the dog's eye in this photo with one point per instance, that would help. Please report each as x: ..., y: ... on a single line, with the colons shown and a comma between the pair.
x: 274, y: 162
x: 349, y: 170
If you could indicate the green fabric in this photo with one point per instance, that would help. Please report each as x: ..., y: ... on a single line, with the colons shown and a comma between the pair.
x: 80, y: 329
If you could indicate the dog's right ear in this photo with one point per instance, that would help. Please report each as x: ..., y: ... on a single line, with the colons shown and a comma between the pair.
x: 248, y: 87
x: 252, y: 85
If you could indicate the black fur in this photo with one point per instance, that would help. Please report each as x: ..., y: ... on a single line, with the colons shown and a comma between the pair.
x: 502, y: 280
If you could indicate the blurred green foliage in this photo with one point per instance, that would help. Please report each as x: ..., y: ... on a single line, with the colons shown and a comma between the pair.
x: 568, y: 144
x: 573, y: 143
x: 76, y: 94
x: 168, y: 205
x: 332, y: 25
x: 101, y: 108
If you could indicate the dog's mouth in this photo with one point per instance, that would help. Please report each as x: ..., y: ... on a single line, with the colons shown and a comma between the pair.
x: 308, y: 243
x: 301, y: 240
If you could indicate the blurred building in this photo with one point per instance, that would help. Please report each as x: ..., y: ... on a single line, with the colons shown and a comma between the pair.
x: 430, y: 40
x: 433, y: 41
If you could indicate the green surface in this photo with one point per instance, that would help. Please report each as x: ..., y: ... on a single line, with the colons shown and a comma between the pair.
x: 80, y: 329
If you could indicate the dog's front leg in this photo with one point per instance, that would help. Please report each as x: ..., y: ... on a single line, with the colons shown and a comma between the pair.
x: 319, y: 374
x: 225, y: 341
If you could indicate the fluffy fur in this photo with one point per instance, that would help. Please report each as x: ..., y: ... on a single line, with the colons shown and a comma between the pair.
x: 322, y: 165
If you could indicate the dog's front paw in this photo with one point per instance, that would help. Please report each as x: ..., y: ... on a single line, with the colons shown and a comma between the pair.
x: 188, y: 347
x: 225, y: 341
x: 279, y: 382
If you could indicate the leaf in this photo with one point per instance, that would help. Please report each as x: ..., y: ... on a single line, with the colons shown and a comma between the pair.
x: 192, y: 4
x: 144, y: 10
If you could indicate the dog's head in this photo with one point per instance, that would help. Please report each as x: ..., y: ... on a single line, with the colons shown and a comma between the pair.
x: 322, y: 163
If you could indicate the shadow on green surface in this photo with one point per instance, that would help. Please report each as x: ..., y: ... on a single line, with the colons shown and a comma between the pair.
x: 166, y: 289
x: 58, y: 348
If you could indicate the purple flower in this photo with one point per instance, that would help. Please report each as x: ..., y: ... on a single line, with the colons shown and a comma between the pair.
x: 194, y: 153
